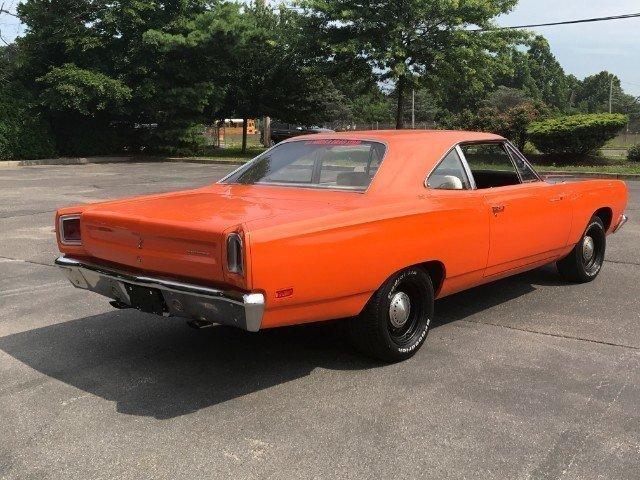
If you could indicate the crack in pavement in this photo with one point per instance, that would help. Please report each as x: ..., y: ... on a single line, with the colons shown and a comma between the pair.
x: 32, y: 262
x: 3, y: 216
x: 556, y: 335
x: 621, y: 262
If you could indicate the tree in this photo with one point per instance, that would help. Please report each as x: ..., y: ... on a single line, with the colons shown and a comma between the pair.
x: 504, y: 98
x: 418, y: 41
x: 273, y: 70
x: 23, y: 131
x: 551, y: 82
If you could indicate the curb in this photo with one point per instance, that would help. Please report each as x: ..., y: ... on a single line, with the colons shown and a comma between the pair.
x: 123, y: 159
x: 201, y: 161
x: 74, y: 161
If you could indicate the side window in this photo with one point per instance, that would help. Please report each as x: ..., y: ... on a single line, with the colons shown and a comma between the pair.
x: 449, y: 174
x: 524, y: 169
x: 490, y: 165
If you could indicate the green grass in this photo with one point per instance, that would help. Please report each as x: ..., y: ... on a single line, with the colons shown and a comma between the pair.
x: 628, y: 168
x: 221, y: 155
x: 587, y: 164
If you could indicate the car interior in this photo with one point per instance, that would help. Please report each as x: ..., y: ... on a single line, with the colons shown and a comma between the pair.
x: 490, y: 165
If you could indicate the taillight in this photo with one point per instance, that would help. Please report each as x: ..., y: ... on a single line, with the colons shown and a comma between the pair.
x: 235, y: 254
x: 69, y: 230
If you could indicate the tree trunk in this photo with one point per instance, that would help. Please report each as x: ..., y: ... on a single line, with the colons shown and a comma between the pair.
x: 266, y: 131
x: 244, y: 135
x: 400, y: 106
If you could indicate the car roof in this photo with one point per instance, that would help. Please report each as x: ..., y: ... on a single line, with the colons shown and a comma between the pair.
x: 410, y: 156
x: 453, y: 136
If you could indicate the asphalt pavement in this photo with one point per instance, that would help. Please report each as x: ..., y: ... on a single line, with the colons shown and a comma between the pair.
x: 525, y: 378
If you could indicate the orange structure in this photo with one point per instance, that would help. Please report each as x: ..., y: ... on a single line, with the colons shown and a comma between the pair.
x: 370, y: 226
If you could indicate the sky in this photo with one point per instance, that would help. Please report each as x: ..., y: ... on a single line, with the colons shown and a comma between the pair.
x: 586, y: 49
x: 581, y: 49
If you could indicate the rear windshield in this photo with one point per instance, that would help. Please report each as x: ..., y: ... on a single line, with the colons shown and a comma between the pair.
x: 334, y: 164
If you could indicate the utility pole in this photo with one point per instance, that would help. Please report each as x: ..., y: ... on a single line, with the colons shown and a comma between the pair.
x: 611, y: 95
x: 413, y: 109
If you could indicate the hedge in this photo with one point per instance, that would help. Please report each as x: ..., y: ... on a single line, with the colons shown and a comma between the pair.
x: 634, y: 153
x: 575, y: 134
x: 23, y: 133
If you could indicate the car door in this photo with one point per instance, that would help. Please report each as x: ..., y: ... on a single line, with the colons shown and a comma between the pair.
x: 529, y: 219
x: 458, y: 226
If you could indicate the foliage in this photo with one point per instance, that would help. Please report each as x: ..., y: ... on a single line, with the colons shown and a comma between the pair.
x: 576, y: 134
x: 145, y: 75
x: 634, y: 153
x: 507, y: 112
x: 80, y: 90
x: 552, y: 84
x: 23, y: 131
x: 505, y: 98
x: 419, y: 41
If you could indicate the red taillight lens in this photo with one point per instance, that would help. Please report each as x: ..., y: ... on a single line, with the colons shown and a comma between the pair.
x: 70, y: 230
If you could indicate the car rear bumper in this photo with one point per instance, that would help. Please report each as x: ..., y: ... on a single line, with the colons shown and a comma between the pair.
x: 621, y: 221
x: 227, y: 307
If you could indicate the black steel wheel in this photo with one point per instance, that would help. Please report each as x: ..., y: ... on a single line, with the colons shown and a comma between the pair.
x: 585, y: 261
x: 395, y: 321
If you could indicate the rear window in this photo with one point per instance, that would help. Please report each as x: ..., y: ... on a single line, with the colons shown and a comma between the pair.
x: 326, y: 163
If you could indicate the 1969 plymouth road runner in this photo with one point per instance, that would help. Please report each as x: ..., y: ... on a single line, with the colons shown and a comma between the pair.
x: 368, y: 226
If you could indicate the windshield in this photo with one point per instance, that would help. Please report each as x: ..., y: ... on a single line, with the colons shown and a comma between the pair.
x: 335, y: 164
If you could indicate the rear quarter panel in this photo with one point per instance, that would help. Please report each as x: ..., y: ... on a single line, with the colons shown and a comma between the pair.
x: 334, y: 263
x: 589, y: 196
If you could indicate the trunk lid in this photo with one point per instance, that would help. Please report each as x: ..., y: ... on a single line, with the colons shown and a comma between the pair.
x: 179, y: 234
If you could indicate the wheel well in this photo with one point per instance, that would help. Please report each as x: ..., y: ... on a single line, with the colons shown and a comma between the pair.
x: 436, y: 271
x: 606, y: 215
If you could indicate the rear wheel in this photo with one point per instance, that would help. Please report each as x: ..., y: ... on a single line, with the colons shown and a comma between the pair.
x: 395, y: 321
x: 585, y: 261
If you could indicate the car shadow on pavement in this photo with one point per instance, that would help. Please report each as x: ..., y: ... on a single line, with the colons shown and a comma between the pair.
x: 469, y: 302
x: 159, y: 367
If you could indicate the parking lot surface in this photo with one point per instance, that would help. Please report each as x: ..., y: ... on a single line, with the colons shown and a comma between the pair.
x: 524, y: 378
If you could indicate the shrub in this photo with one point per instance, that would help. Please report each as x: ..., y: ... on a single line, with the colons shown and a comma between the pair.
x: 634, y: 153
x: 575, y: 134
x: 511, y: 122
x: 23, y: 133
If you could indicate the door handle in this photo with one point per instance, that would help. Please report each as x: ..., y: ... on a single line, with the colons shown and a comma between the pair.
x: 496, y: 209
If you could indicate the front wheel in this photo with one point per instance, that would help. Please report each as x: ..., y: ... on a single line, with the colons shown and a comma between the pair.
x: 585, y: 261
x: 395, y: 321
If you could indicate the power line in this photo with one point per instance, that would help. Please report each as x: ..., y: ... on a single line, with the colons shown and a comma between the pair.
x: 567, y: 22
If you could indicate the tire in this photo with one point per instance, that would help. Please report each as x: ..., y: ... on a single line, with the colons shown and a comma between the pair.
x: 585, y: 261
x: 390, y: 328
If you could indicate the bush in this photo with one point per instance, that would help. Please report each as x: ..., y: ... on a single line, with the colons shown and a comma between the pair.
x: 507, y: 119
x: 23, y: 133
x: 634, y: 153
x: 575, y: 134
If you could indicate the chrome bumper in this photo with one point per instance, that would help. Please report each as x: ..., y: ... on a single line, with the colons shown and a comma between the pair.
x: 621, y: 221
x: 227, y: 307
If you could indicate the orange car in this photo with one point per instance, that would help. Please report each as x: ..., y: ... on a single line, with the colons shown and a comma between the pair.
x: 369, y: 226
